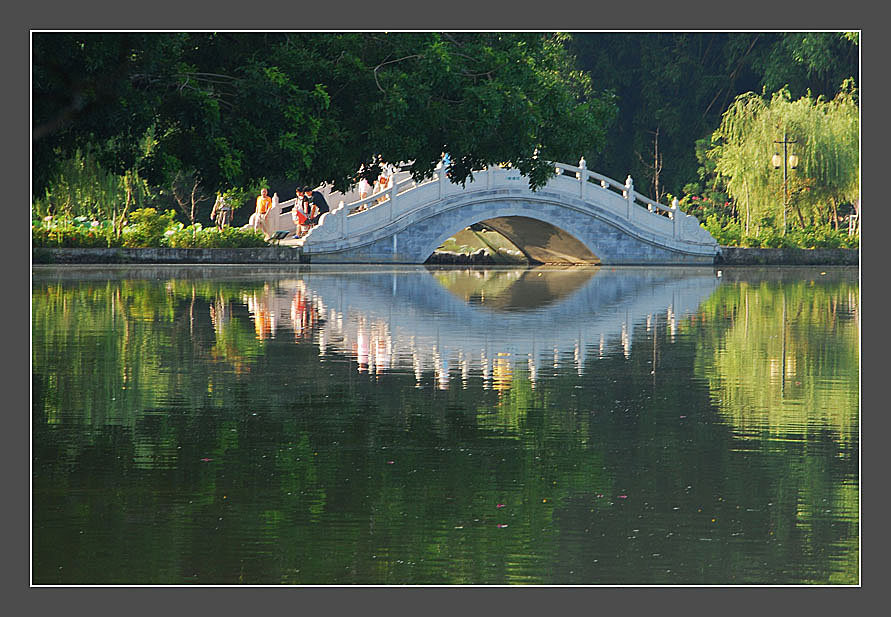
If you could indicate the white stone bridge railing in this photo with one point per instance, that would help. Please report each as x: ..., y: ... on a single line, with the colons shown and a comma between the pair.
x: 592, y: 193
x: 591, y: 181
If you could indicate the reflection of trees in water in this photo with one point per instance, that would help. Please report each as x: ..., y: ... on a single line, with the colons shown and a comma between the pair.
x: 784, y: 366
x: 297, y: 487
x: 124, y: 333
x: 233, y: 342
x: 787, y: 361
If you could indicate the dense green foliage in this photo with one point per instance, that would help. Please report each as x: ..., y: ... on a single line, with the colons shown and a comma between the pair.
x: 144, y: 228
x: 235, y: 107
x: 79, y: 232
x: 196, y: 236
x: 731, y: 232
x: 827, y: 136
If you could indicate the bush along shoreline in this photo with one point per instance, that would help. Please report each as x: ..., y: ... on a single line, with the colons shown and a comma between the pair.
x: 144, y: 228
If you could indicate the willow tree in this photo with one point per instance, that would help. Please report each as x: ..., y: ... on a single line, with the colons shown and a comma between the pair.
x: 826, y: 142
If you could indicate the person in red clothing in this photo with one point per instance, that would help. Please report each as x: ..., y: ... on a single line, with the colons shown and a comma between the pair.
x: 300, y: 214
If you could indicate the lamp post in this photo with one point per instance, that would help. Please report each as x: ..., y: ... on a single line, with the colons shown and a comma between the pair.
x: 786, y: 161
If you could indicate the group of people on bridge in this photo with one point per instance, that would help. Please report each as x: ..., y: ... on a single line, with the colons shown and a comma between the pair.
x: 309, y: 206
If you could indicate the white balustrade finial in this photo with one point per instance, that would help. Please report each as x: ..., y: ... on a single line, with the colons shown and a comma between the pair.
x: 582, y: 163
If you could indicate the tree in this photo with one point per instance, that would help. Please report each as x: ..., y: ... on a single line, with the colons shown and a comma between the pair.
x: 828, y: 147
x: 311, y: 107
x: 682, y: 82
x: 187, y: 191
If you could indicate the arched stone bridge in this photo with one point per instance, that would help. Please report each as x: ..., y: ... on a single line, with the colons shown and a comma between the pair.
x: 579, y: 217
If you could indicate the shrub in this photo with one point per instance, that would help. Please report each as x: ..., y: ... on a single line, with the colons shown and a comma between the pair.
x: 235, y: 237
x: 146, y: 227
x: 195, y: 236
x: 726, y: 233
x: 770, y: 238
x: 72, y: 233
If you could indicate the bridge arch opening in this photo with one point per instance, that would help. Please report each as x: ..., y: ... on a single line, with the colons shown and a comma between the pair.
x: 519, y: 239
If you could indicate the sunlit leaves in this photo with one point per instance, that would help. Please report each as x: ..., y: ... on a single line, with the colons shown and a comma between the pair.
x: 827, y: 140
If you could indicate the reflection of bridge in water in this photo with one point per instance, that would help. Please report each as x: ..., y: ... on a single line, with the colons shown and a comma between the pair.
x: 491, y: 323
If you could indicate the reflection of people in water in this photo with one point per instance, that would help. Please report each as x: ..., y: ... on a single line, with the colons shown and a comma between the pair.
x: 502, y: 374
x: 383, y: 349
x: 373, y: 348
x: 361, y: 349
x: 263, y: 324
x: 304, y: 314
x: 264, y: 319
x: 219, y: 313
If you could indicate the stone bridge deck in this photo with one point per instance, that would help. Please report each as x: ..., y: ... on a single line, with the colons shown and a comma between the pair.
x: 579, y: 217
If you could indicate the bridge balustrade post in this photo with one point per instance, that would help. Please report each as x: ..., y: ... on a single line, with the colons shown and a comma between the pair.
x: 442, y: 179
x: 582, y: 177
x: 629, y: 196
x: 342, y: 214
x: 676, y: 230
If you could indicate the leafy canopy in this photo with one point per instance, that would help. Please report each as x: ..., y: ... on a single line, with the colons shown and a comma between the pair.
x: 310, y: 107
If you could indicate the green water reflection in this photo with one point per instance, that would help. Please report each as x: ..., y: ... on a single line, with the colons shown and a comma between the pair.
x: 400, y: 426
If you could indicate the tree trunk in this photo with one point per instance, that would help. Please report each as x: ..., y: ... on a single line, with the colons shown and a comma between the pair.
x: 657, y: 166
x: 192, y: 211
x: 800, y: 216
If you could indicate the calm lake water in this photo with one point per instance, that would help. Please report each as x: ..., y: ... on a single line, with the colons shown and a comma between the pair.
x: 398, y: 425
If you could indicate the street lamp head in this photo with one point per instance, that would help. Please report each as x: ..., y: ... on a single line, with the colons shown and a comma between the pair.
x: 777, y: 160
x: 793, y: 161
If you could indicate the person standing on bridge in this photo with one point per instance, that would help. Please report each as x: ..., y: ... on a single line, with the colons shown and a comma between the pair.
x: 383, y: 182
x: 300, y: 214
x: 364, y: 187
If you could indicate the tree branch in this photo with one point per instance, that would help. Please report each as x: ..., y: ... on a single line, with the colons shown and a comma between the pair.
x: 390, y: 62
